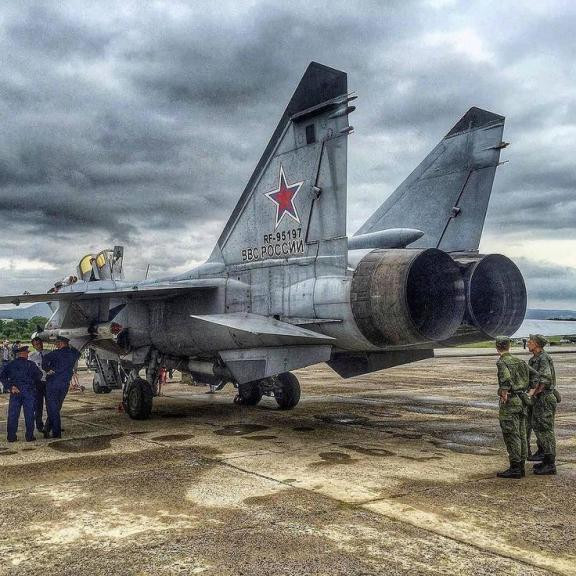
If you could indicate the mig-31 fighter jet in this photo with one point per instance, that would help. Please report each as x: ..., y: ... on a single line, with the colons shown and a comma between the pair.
x: 285, y: 288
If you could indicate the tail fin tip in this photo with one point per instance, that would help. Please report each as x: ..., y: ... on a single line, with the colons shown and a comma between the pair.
x: 473, y: 119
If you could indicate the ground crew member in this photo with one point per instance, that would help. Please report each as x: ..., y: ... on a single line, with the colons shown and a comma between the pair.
x: 59, y: 367
x: 512, y: 385
x: 543, y: 384
x: 21, y: 376
x: 37, y: 357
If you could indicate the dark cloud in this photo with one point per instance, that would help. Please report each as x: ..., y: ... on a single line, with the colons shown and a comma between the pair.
x: 141, y: 122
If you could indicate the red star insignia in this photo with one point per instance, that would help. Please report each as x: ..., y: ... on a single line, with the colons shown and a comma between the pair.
x: 283, y: 197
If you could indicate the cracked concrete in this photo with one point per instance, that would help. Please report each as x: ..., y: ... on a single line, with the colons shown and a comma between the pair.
x: 388, y: 473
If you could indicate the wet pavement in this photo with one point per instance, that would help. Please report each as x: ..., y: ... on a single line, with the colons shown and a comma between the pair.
x: 388, y: 473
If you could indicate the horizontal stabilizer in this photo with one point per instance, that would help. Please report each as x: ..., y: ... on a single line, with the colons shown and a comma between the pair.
x: 252, y: 330
x: 447, y: 195
x: 353, y: 364
x: 95, y: 290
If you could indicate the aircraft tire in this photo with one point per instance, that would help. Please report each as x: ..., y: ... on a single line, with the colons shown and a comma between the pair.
x: 287, y: 391
x: 138, y: 400
x: 97, y: 387
x: 249, y: 394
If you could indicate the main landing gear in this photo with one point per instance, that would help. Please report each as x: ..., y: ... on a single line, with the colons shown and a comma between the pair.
x: 139, y: 393
x: 284, y: 388
x: 137, y: 400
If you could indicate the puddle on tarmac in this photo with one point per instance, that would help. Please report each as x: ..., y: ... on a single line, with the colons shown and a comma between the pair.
x: 464, y: 449
x: 138, y: 432
x: 261, y: 437
x: 172, y: 437
x: 379, y: 452
x: 303, y: 429
x: 240, y: 429
x: 424, y: 409
x: 385, y: 414
x: 349, y: 419
x: 470, y: 438
x: 332, y: 459
x: 176, y: 415
x: 28, y: 449
x: 407, y: 435
x: 422, y: 458
x: 8, y: 453
x: 83, y: 445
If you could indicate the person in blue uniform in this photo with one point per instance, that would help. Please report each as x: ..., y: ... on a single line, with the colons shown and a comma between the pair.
x: 37, y: 357
x: 59, y: 367
x: 21, y: 377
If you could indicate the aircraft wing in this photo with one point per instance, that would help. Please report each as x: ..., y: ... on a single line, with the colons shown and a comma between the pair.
x: 546, y: 328
x: 87, y: 292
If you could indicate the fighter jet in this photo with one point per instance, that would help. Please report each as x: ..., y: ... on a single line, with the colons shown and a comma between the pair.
x: 285, y: 288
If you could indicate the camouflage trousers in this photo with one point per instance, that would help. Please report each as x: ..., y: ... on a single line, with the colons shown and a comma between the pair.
x: 512, y: 418
x: 529, y: 429
x: 543, y: 413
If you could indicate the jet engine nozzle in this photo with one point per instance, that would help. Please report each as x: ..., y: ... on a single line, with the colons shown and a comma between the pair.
x: 495, y: 297
x: 402, y: 297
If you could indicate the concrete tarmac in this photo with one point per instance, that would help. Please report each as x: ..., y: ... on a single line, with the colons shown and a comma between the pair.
x: 389, y: 473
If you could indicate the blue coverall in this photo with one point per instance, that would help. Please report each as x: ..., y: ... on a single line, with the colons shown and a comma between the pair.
x: 59, y: 367
x: 24, y: 375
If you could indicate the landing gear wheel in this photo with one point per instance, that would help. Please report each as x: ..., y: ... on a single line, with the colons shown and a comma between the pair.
x: 287, y: 391
x: 249, y: 394
x: 138, y: 400
x: 97, y: 386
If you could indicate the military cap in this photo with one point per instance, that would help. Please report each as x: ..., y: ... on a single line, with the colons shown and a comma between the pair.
x: 62, y: 339
x: 502, y: 340
x: 539, y: 339
x: 22, y: 349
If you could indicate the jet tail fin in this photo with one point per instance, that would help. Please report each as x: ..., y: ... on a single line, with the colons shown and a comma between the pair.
x: 294, y: 204
x: 447, y: 195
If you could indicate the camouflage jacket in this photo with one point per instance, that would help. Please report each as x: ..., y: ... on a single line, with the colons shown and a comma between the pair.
x: 542, y: 371
x: 512, y: 373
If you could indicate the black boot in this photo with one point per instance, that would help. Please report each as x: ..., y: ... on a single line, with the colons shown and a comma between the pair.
x: 548, y: 466
x: 515, y: 471
x: 522, y: 469
x: 538, y: 457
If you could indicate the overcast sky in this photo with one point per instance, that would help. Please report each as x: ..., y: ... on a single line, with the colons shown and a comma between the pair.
x: 139, y: 123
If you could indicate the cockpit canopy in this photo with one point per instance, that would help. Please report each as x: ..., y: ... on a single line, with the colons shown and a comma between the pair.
x: 106, y: 265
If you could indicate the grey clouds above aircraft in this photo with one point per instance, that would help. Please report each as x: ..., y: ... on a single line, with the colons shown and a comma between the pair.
x: 284, y: 287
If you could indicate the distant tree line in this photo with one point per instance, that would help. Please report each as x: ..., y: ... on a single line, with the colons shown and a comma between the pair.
x: 20, y: 329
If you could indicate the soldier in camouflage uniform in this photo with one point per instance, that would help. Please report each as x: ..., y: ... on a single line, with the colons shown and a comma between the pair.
x: 512, y: 386
x: 542, y: 390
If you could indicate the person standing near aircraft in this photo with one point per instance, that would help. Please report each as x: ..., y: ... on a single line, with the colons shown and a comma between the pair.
x: 5, y: 360
x: 512, y: 384
x: 59, y: 367
x: 37, y: 357
x: 21, y: 376
x: 542, y: 389
x: 15, y: 348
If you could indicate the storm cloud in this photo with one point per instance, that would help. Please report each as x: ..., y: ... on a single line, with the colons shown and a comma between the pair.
x: 140, y: 123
